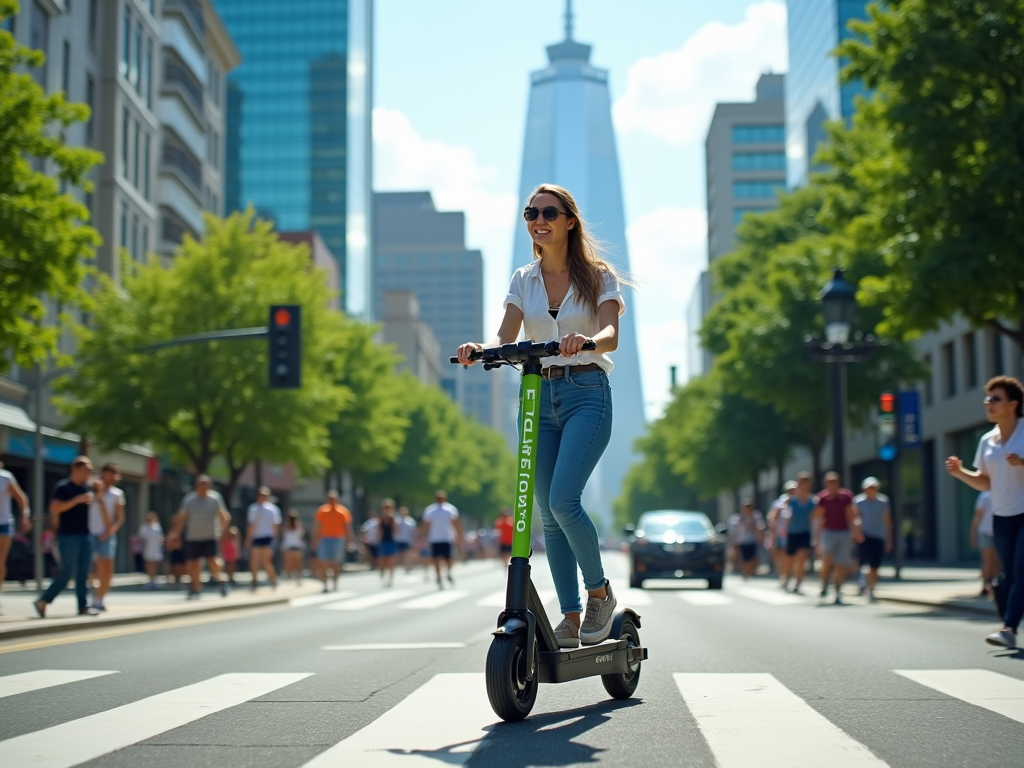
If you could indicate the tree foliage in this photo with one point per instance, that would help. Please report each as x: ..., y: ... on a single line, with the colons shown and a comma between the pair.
x: 44, y: 246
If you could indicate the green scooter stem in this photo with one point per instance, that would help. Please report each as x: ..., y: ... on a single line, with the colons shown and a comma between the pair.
x: 529, y: 418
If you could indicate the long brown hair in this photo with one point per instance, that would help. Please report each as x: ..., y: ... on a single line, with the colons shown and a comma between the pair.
x: 586, y: 264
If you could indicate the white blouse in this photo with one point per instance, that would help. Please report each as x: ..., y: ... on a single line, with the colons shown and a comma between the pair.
x: 527, y: 292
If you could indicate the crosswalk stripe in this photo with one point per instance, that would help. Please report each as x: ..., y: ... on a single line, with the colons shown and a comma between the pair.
x: 369, y: 601
x: 771, y: 597
x: 434, y: 600
x: 23, y: 682
x: 693, y: 597
x: 393, y: 646
x: 497, y: 599
x: 419, y: 731
x: 87, y: 738
x: 634, y: 598
x: 753, y: 719
x: 329, y: 597
x: 980, y: 687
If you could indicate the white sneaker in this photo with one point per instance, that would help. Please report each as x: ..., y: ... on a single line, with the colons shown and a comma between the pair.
x: 1003, y: 637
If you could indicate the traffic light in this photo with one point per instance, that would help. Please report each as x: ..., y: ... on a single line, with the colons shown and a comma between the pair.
x: 284, y: 346
x: 888, y: 441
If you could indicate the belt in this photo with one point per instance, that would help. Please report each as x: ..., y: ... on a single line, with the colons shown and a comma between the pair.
x: 559, y: 371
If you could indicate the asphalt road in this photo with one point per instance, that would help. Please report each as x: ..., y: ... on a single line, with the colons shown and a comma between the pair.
x: 754, y: 677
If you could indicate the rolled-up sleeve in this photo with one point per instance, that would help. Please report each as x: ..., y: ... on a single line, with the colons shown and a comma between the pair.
x: 610, y: 291
x: 515, y: 292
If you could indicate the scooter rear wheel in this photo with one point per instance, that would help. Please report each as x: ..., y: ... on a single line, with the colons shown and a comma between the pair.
x: 621, y: 686
x: 512, y: 696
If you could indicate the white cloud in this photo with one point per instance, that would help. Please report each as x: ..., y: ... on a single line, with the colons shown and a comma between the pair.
x: 404, y: 160
x: 672, y: 95
x: 667, y: 252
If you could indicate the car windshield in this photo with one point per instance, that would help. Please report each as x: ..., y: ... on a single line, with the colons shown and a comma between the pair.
x: 680, y: 526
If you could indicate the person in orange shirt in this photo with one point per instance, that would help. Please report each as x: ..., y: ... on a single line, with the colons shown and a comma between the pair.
x: 503, y: 528
x: 331, y: 527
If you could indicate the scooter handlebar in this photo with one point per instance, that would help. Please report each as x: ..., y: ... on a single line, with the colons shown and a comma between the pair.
x: 520, y: 352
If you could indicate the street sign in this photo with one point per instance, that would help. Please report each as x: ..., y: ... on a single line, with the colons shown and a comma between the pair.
x: 910, y: 419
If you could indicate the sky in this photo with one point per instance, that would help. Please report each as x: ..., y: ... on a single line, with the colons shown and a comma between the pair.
x: 451, y: 88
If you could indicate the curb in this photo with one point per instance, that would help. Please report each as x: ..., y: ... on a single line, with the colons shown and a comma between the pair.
x: 977, y: 610
x: 75, y: 624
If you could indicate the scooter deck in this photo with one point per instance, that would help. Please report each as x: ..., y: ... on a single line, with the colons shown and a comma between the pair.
x: 608, y: 658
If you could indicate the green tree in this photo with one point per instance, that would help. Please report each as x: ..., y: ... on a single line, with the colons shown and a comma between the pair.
x: 43, y: 244
x: 212, y: 399
x: 932, y: 165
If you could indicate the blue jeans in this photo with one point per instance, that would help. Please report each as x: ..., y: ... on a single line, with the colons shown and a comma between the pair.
x: 75, y: 561
x: 1009, y: 536
x: 574, y: 429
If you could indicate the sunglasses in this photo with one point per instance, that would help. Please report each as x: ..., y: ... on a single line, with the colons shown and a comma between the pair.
x: 991, y: 399
x: 549, y: 212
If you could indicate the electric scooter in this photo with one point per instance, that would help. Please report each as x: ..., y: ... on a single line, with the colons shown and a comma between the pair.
x: 524, y: 651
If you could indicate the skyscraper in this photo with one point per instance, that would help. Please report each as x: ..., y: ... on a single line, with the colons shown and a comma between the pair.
x: 298, y: 135
x: 570, y: 141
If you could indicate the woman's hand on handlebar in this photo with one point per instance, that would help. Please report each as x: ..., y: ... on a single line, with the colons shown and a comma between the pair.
x: 572, y: 344
x: 466, y: 350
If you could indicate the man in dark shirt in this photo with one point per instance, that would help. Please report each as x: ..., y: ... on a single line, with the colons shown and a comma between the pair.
x: 70, y: 506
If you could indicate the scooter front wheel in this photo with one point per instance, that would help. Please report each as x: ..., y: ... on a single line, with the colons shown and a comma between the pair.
x: 512, y: 696
x: 621, y: 686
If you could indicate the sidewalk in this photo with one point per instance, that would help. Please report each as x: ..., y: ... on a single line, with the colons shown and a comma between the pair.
x: 129, y: 602
x: 948, y: 588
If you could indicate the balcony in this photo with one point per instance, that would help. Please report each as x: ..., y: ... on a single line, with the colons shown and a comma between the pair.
x: 178, y: 159
x: 192, y: 9
x: 177, y: 76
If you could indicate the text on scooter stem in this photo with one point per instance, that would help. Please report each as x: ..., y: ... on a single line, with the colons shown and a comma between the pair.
x: 526, y: 459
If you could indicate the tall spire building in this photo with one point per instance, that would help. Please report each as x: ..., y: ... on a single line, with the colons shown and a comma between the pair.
x: 570, y: 141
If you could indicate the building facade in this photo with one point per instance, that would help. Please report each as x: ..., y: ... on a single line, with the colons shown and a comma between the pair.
x: 570, y: 141
x: 412, y: 338
x: 299, y: 146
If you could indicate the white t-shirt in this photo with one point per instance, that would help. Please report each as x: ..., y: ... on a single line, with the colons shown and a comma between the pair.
x: 262, y: 518
x: 527, y: 292
x: 152, y: 537
x: 111, y: 498
x: 6, y: 481
x: 745, y: 530
x: 984, y: 503
x: 371, y: 528
x: 441, y: 519
x: 405, y: 529
x: 1007, y: 480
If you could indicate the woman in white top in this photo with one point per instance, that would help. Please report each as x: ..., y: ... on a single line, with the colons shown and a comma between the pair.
x: 292, y: 542
x: 982, y: 539
x: 1000, y: 469
x: 571, y: 294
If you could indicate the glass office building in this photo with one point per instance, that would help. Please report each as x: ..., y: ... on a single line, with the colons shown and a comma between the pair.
x: 299, y: 142
x: 813, y: 91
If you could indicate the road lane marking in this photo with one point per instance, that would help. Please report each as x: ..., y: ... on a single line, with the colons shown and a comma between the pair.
x: 440, y: 723
x: 330, y: 597
x: 980, y: 687
x: 87, y: 738
x: 693, y: 597
x: 23, y: 682
x: 369, y: 601
x: 634, y: 598
x: 392, y: 646
x: 753, y: 719
x: 776, y: 597
x: 434, y: 600
x: 497, y: 599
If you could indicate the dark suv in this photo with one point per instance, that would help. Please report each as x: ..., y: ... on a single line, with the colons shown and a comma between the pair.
x: 672, y: 544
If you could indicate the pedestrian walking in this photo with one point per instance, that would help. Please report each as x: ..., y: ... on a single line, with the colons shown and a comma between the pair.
x: 443, y: 529
x: 999, y: 464
x: 875, y: 520
x: 9, y: 524
x: 176, y: 559
x: 504, y: 528
x: 106, y: 516
x: 404, y: 537
x: 331, y: 528
x: 388, y: 547
x: 746, y: 530
x: 230, y: 551
x: 293, y: 542
x: 797, y: 520
x: 70, y: 508
x: 261, y: 535
x: 775, y: 539
x: 983, y: 540
x: 203, y: 518
x: 151, y: 534
x: 837, y: 529
x: 369, y: 537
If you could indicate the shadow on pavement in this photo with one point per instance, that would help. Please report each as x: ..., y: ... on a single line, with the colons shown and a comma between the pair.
x: 946, y: 615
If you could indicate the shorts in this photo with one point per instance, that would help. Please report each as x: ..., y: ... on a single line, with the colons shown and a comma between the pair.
x: 872, y: 551
x: 403, y: 546
x: 195, y: 550
x: 506, y: 549
x: 441, y: 549
x: 263, y: 541
x: 105, y: 548
x: 373, y: 550
x: 387, y: 548
x: 6, y: 529
x: 985, y: 541
x: 177, y: 556
x: 797, y: 541
x: 332, y: 549
x: 837, y: 544
x: 293, y: 549
x: 748, y: 552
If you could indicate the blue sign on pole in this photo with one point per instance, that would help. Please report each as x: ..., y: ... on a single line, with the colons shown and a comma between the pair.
x: 909, y: 409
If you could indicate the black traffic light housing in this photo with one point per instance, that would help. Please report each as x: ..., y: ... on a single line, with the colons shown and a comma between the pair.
x: 284, y: 346
x: 888, y: 437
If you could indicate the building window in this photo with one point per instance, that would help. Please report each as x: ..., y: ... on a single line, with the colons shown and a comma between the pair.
x: 145, y: 169
x: 90, y: 100
x: 126, y: 43
x: 133, y: 75
x: 135, y: 158
x: 124, y: 225
x: 93, y: 10
x: 759, y: 161
x: 929, y: 393
x: 145, y: 242
x: 135, y: 237
x: 147, y: 74
x: 65, y: 74
x: 758, y: 134
x: 752, y: 189
x: 995, y: 344
x: 124, y: 142
x: 949, y: 369
x: 39, y: 39
x: 970, y: 361
x: 215, y: 150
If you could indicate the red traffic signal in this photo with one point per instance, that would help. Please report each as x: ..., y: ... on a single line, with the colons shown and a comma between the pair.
x: 282, y: 316
x: 887, y: 402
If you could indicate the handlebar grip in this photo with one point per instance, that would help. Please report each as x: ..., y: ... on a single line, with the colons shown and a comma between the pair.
x: 590, y: 346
